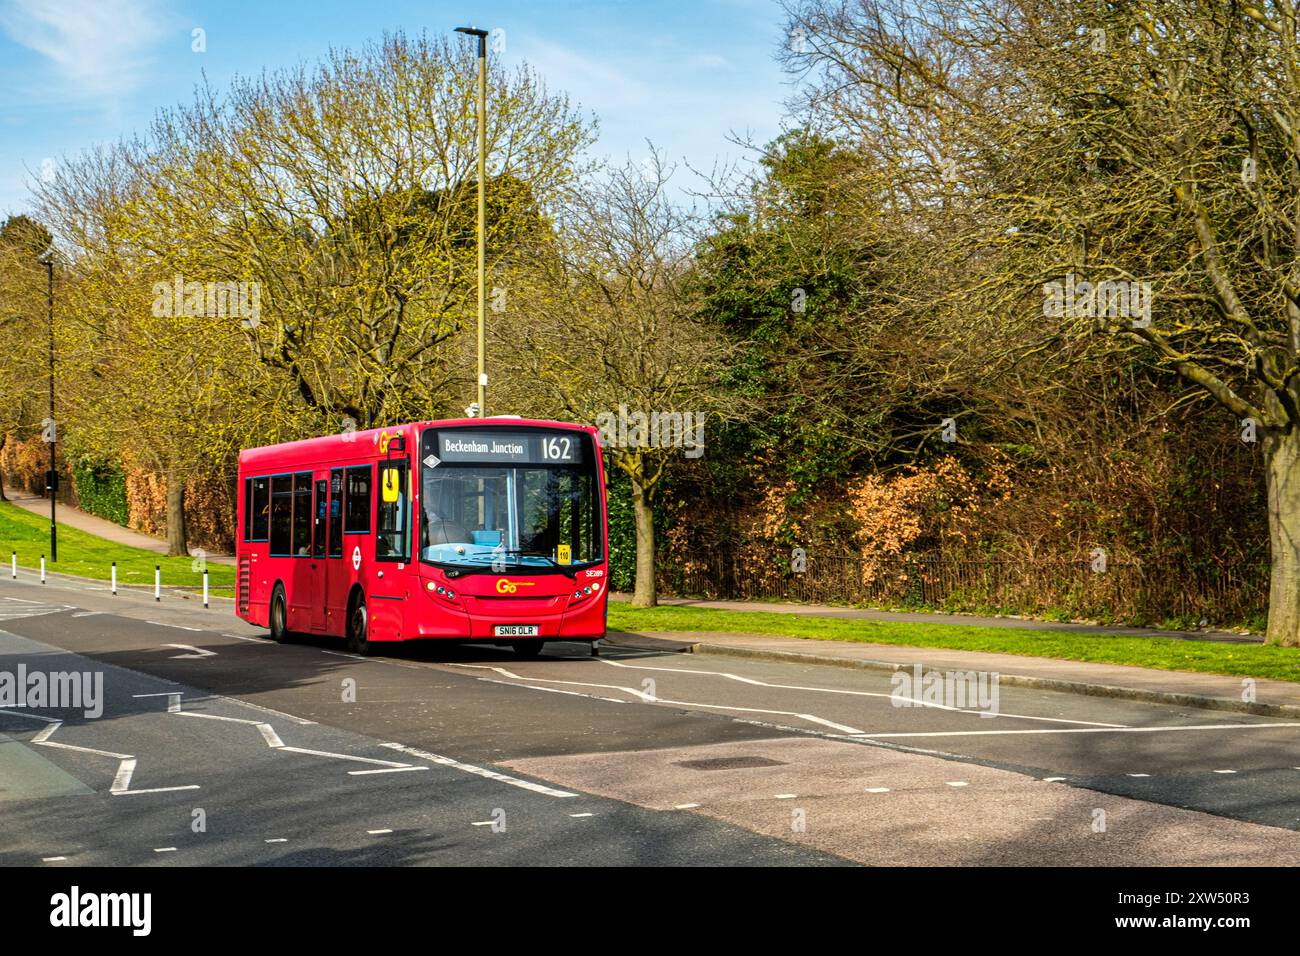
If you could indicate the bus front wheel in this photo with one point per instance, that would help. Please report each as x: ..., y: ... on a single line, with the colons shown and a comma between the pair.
x: 359, y: 628
x: 279, y: 617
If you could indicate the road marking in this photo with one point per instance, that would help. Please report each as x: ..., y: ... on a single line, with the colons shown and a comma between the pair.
x: 164, y: 849
x: 88, y: 613
x: 649, y: 698
x: 786, y: 796
x: 958, y: 783
x: 362, y: 773
x: 1081, y: 730
x: 179, y: 627
x: 1137, y: 775
x: 686, y: 806
x: 479, y: 771
x: 581, y: 814
x: 483, y: 823
x: 132, y: 793
x: 837, y: 690
x: 252, y: 640
x: 1225, y: 771
x: 277, y: 840
x: 1052, y: 779
x: 378, y: 832
x: 877, y: 790
x: 199, y: 653
x: 53, y: 859
x: 326, y: 753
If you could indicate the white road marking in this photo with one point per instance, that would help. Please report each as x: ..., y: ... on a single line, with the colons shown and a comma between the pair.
x: 786, y: 796
x: 165, y: 849
x: 686, y: 806
x: 877, y: 790
x: 179, y: 627
x: 482, y: 823
x: 958, y: 783
x: 277, y: 840
x: 479, y: 771
x: 53, y: 859
x: 1052, y: 779
x: 652, y: 699
x: 581, y: 814
x: 1082, y: 730
x: 1225, y: 771
x: 362, y: 773
x: 132, y: 793
x: 378, y: 832
x: 1137, y: 775
x: 326, y: 753
x: 837, y: 690
x: 199, y: 652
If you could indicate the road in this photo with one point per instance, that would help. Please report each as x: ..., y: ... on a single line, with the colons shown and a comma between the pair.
x: 217, y: 747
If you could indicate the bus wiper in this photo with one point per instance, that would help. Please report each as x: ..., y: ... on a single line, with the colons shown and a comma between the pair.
x: 566, y: 569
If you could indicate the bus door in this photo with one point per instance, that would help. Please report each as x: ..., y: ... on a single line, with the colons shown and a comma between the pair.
x: 319, y: 565
x: 393, y: 576
x: 335, y: 578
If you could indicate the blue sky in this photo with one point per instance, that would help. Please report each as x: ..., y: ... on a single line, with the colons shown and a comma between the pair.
x: 683, y: 74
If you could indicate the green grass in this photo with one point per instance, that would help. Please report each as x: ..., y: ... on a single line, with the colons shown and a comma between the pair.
x: 91, y: 557
x: 1238, y: 660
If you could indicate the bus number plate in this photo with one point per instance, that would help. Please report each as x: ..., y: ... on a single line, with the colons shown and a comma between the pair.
x: 515, y: 630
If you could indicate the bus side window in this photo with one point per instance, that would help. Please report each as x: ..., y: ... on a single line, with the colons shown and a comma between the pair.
x: 391, y: 524
x: 257, y: 503
x: 281, y: 515
x: 336, y: 513
x: 356, y: 506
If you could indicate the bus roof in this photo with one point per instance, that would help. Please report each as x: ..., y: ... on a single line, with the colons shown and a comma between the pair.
x: 365, y: 444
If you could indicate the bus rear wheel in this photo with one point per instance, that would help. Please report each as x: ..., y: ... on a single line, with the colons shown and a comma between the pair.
x: 528, y: 649
x: 358, y: 639
x: 279, y: 617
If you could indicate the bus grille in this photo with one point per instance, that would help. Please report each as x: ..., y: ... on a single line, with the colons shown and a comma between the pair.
x: 245, y: 575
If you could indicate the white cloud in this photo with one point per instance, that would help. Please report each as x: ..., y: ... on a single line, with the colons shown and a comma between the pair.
x: 98, y: 47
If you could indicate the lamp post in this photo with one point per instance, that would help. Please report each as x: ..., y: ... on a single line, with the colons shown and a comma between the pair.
x: 52, y: 476
x: 482, y: 163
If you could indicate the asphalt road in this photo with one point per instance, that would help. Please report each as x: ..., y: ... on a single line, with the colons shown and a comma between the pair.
x: 244, y: 752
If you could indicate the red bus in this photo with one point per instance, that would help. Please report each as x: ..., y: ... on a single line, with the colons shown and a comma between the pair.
x: 489, y: 529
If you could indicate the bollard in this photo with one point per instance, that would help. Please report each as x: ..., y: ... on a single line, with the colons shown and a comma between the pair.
x: 14, y: 565
x: 157, y: 583
x: 205, y: 588
x: 42, y: 569
x: 114, y: 578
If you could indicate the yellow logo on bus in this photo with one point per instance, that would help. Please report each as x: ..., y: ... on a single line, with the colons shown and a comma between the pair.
x: 506, y: 586
x: 563, y: 554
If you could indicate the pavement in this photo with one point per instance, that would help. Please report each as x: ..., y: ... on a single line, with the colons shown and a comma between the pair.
x: 100, y: 527
x: 306, y: 754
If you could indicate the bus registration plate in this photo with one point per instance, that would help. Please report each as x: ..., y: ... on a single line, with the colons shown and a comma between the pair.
x: 515, y: 630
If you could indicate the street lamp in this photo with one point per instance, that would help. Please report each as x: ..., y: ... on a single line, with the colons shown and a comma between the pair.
x: 482, y: 153
x: 52, y: 476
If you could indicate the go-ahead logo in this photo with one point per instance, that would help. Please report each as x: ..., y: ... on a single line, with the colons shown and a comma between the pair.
x: 506, y: 586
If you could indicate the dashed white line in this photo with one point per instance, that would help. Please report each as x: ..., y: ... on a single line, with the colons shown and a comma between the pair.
x: 53, y: 859
x: 276, y: 840
x: 378, y: 832
x: 686, y: 806
x: 1225, y: 771
x: 164, y: 849
x: 582, y: 814
x: 958, y: 783
x: 362, y: 773
x: 877, y: 790
x: 786, y: 796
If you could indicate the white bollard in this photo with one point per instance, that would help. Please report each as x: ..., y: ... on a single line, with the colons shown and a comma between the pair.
x: 42, y: 569
x: 114, y: 577
x: 205, y: 588
x: 157, y: 583
x: 13, y: 565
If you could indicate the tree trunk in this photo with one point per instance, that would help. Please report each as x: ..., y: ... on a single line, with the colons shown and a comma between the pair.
x: 645, y: 594
x: 177, y: 543
x: 1282, y: 455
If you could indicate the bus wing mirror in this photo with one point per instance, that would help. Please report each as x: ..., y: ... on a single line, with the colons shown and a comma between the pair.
x: 392, y: 485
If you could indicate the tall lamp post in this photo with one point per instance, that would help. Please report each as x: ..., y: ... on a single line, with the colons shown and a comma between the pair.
x: 482, y: 154
x: 52, y: 476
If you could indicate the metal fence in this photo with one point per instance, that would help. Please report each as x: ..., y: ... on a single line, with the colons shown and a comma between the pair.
x: 1140, y: 592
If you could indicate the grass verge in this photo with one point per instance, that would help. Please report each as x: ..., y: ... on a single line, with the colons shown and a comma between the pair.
x: 88, y: 556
